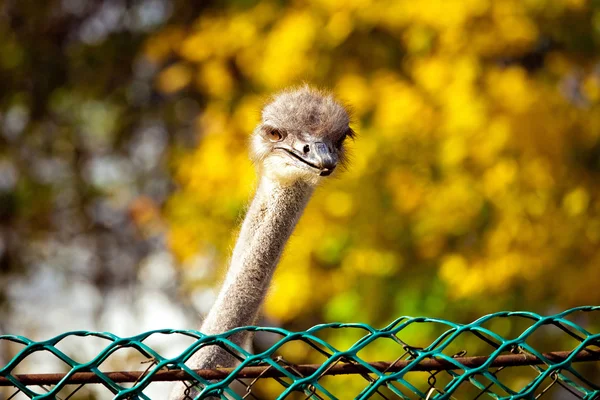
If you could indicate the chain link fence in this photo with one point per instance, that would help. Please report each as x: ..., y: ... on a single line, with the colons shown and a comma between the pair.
x: 426, y: 358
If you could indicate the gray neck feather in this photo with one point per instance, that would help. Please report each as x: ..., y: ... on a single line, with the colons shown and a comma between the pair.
x: 270, y: 220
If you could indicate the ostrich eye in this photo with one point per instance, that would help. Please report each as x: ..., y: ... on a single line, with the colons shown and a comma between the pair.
x: 340, y: 141
x: 274, y: 135
x: 349, y: 133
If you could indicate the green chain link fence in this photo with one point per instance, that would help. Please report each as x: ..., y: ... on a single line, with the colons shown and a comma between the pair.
x: 441, y: 368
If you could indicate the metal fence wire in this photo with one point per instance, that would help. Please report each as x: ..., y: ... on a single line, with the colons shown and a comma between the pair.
x: 505, y: 365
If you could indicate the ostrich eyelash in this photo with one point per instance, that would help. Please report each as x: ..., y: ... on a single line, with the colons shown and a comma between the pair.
x: 348, y: 134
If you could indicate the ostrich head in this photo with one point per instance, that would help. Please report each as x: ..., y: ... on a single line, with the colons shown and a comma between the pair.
x: 301, y: 136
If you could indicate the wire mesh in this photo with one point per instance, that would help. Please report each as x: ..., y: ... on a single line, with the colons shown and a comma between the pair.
x: 511, y: 367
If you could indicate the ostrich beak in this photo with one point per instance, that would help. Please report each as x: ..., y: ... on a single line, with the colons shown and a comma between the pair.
x: 314, y: 154
x: 324, y: 159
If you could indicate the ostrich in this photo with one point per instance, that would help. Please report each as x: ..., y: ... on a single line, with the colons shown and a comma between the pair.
x: 299, y: 140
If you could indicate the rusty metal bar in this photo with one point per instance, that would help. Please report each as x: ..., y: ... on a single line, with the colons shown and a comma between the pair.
x: 508, y: 360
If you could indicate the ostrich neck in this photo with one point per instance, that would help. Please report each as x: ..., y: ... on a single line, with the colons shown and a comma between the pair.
x: 269, y: 222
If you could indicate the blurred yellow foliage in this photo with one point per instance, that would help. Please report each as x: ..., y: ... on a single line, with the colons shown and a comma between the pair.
x: 474, y: 177
x: 174, y: 78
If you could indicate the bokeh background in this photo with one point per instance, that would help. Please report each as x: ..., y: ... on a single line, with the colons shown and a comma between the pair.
x: 473, y: 186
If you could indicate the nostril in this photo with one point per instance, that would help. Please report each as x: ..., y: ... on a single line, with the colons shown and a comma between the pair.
x: 306, y: 149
